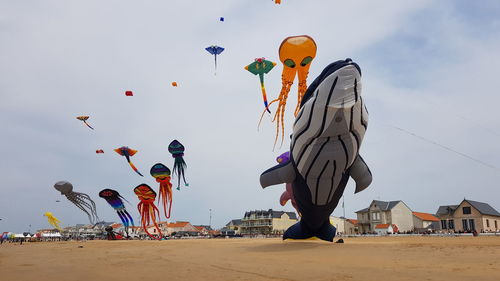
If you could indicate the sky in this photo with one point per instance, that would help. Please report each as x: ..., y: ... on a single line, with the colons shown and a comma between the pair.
x: 429, y: 82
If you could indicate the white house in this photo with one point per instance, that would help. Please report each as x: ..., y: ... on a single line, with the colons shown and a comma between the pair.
x: 385, y: 212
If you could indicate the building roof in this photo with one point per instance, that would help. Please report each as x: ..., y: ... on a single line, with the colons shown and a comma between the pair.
x: 353, y: 221
x: 483, y: 208
x: 278, y: 214
x: 363, y: 210
x: 383, y: 205
x: 200, y: 227
x: 207, y: 227
x: 271, y: 213
x: 425, y: 216
x: 385, y: 226
x: 178, y: 224
x: 446, y: 210
x: 234, y: 222
x: 386, y: 205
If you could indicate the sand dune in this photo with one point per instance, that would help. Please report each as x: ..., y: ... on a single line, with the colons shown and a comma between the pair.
x: 378, y: 258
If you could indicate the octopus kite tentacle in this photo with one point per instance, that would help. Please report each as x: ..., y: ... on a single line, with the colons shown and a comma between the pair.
x: 279, y: 115
x: 80, y: 203
x: 177, y: 151
x: 146, y: 207
x: 302, y: 91
x: 180, y: 167
x: 162, y: 175
x: 83, y: 196
x: 115, y: 200
x: 80, y: 200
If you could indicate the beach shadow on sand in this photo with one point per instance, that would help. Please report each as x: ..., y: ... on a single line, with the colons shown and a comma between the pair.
x: 290, y: 246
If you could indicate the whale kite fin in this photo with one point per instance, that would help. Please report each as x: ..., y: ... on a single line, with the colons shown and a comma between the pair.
x: 361, y: 174
x: 281, y: 173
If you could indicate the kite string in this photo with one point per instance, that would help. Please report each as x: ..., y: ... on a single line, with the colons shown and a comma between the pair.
x: 447, y: 148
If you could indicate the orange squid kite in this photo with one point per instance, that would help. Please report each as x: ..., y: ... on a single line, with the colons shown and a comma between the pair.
x: 296, y: 53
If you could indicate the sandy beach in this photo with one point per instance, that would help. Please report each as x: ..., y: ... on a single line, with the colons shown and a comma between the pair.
x: 376, y: 258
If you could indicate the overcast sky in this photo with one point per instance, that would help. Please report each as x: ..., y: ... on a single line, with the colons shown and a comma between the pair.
x: 429, y: 68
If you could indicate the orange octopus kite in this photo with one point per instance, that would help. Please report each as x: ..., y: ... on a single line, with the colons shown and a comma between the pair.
x: 296, y: 54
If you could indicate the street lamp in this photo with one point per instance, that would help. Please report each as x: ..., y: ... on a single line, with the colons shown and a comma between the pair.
x: 210, y: 221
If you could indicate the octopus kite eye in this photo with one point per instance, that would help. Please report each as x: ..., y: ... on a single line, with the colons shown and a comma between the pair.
x: 306, y: 61
x: 290, y: 63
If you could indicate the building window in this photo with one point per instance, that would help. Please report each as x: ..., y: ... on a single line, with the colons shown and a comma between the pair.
x: 466, y: 210
x: 472, y: 226
x: 376, y: 216
x: 496, y: 225
x: 443, y: 224
x: 464, y: 225
x: 487, y: 223
x: 451, y: 224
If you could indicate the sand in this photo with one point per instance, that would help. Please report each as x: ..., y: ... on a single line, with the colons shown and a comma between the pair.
x: 375, y: 258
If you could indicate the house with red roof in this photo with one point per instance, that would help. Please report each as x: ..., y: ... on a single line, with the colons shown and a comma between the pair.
x: 385, y: 212
x: 351, y: 226
x: 202, y: 229
x: 180, y: 226
x: 424, y: 222
x: 385, y: 228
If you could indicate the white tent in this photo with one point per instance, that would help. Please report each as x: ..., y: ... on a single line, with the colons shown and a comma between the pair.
x: 51, y: 234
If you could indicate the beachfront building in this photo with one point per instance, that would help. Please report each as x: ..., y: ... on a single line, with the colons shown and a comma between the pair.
x: 267, y: 222
x: 87, y: 231
x: 385, y: 212
x: 202, y: 229
x: 445, y: 215
x: 344, y: 226
x: 468, y: 216
x: 119, y: 228
x: 338, y: 223
x: 181, y: 226
x: 234, y: 225
x: 167, y: 228
x: 351, y: 226
x: 425, y: 222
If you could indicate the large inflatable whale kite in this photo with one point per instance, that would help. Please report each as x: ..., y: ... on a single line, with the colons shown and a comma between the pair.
x: 327, y: 135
